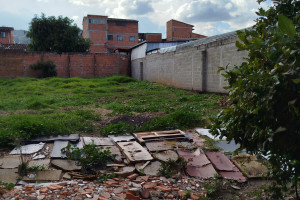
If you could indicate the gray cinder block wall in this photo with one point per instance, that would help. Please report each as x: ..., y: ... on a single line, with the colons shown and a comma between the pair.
x: 193, y: 66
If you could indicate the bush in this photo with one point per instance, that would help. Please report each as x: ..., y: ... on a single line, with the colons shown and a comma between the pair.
x: 48, y: 68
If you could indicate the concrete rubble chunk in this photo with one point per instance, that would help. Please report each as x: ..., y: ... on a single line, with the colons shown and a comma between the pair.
x: 166, y: 155
x: 249, y: 165
x: 67, y: 165
x: 141, y: 166
x: 28, y: 149
x: 9, y: 175
x: 56, y: 151
x: 71, y: 138
x: 220, y: 161
x: 204, y: 172
x: 234, y: 175
x: 45, y: 163
x: 134, y: 152
x: 125, y: 171
x: 158, y: 146
x: 10, y: 162
x: 196, y: 139
x: 152, y: 169
x: 123, y: 138
x: 44, y: 175
x: 98, y: 141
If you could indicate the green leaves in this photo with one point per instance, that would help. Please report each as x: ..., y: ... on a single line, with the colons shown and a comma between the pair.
x: 286, y: 26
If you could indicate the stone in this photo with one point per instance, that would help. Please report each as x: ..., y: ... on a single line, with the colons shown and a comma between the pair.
x: 67, y: 165
x: 67, y: 176
x: 153, y: 168
x: 131, y: 196
x: 166, y: 155
x: 45, y: 175
x: 9, y: 175
x: 10, y: 162
x: 28, y: 149
x: 132, y: 176
x: 125, y: 171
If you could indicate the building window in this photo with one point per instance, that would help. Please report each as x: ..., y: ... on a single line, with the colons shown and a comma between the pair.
x: 110, y: 50
x: 132, y: 38
x: 110, y: 37
x: 120, y: 38
x: 97, y: 21
x: 3, y: 35
x: 120, y: 23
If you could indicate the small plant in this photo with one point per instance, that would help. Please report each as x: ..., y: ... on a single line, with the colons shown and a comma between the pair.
x: 48, y: 68
x: 186, y: 195
x: 104, y: 177
x: 90, y: 157
x: 120, y: 128
x: 172, y: 167
x: 5, y: 186
x: 213, y: 187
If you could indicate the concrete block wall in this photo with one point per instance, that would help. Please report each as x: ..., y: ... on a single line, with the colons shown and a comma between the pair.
x: 14, y: 65
x: 193, y: 68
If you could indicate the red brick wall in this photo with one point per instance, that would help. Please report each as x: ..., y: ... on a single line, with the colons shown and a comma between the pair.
x: 9, y: 38
x: 153, y: 37
x: 68, y: 65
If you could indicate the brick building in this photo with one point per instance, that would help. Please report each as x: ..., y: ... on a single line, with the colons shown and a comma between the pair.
x: 6, y: 35
x: 110, y: 34
x: 180, y: 31
x: 150, y: 37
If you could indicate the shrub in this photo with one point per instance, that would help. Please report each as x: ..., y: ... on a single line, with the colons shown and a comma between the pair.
x: 120, y: 128
x: 172, y: 167
x: 48, y: 68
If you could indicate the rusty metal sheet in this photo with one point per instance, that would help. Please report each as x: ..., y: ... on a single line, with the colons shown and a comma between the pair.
x: 134, y: 152
x: 158, y: 146
x: 220, y: 161
x: 204, y: 172
x: 233, y: 175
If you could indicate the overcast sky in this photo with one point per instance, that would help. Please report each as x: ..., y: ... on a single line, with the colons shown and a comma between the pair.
x: 210, y: 17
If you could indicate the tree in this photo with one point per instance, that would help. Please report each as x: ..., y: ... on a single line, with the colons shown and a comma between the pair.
x: 56, y: 35
x: 264, y: 116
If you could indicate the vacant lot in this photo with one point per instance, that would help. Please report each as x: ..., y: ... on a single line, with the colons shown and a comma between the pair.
x: 31, y: 107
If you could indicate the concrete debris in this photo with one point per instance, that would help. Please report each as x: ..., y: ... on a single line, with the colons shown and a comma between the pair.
x: 152, y: 169
x: 37, y: 157
x: 166, y: 155
x: 134, y: 152
x: 159, y: 146
x: 67, y: 176
x: 203, y: 172
x: 196, y: 139
x: 125, y: 171
x: 141, y: 166
x: 122, y: 138
x: 67, y: 165
x: 10, y: 162
x: 98, y: 141
x: 9, y: 175
x: 28, y: 149
x: 44, y: 175
x: 56, y: 151
x: 42, y: 163
x: 71, y: 138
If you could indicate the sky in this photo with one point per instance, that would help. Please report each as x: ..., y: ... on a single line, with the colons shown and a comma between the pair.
x: 209, y: 17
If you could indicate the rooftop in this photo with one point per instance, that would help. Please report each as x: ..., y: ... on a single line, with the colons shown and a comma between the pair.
x: 4, y: 28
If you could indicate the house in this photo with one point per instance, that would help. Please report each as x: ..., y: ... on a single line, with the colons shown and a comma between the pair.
x: 180, y: 31
x: 6, y: 35
x: 110, y: 34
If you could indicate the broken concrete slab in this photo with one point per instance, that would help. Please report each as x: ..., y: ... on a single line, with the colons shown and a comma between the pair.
x: 114, y: 150
x: 233, y: 175
x: 56, y: 151
x: 159, y: 146
x: 45, y: 163
x: 125, y: 171
x: 44, y: 175
x: 98, y: 141
x: 10, y: 162
x: 27, y: 149
x: 152, y: 169
x: 204, y: 172
x: 67, y: 165
x: 220, y: 161
x: 141, y: 166
x: 78, y: 144
x: 123, y: 138
x: 9, y: 175
x: 134, y: 152
x: 196, y: 139
x: 249, y: 165
x: 71, y: 138
x: 37, y: 157
x: 166, y: 156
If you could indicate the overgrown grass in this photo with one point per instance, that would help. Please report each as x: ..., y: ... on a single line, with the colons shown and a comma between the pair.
x: 59, y: 105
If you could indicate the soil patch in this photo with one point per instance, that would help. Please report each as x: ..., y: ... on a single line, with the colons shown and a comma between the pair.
x: 132, y: 120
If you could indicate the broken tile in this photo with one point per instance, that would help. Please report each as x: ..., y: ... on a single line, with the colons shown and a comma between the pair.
x: 158, y: 146
x: 166, y: 156
x: 28, y: 149
x: 220, y: 161
x: 44, y: 163
x: 98, y: 141
x: 134, y: 152
x: 45, y: 175
x: 71, y: 138
x: 204, y: 172
x: 123, y: 138
x: 249, y: 165
x: 152, y: 169
x: 10, y: 162
x: 67, y: 165
x: 125, y: 171
x: 56, y: 151
x: 9, y: 175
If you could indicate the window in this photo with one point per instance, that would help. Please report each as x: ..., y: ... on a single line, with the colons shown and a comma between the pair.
x: 120, y: 23
x: 110, y: 37
x: 120, y: 37
x: 3, y: 35
x: 132, y: 38
x: 97, y: 21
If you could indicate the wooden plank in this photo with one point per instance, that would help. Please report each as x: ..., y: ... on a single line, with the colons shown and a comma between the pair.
x: 134, y: 152
x: 160, y: 135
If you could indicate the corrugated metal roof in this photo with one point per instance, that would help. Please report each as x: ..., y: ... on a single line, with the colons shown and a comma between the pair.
x: 124, y: 20
x: 160, y: 45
